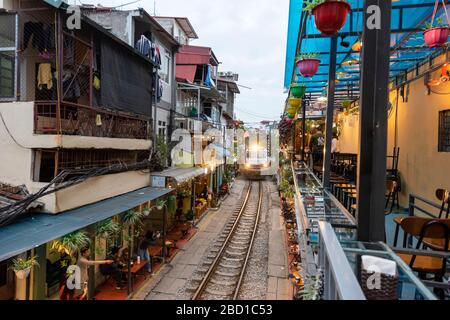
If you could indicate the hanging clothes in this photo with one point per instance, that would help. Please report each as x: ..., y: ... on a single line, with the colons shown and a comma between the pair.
x: 45, y: 77
x: 144, y: 46
x: 157, y: 57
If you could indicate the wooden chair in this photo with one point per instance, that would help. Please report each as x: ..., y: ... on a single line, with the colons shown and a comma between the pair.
x: 431, y: 229
x: 444, y: 196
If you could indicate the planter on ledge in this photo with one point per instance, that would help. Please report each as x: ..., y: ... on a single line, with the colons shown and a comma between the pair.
x: 330, y: 16
x: 308, y: 67
x: 436, y: 37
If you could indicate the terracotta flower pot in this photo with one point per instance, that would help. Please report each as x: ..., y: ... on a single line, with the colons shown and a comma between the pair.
x: 436, y: 37
x: 298, y: 90
x: 330, y: 16
x: 308, y: 67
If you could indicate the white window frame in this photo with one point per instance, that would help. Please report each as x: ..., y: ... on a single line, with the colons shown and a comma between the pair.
x: 166, y: 58
x: 14, y: 51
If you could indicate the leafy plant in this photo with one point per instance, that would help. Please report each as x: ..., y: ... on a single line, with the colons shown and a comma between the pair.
x: 189, y: 215
x: 313, y: 290
x: 23, y: 264
x: 133, y: 217
x: 311, y: 4
x: 308, y: 55
x: 183, y: 194
x: 160, y: 204
x: 72, y: 243
x: 108, y: 228
x: 439, y: 23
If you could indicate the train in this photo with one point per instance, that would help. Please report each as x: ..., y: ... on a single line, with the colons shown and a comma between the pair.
x: 257, y: 163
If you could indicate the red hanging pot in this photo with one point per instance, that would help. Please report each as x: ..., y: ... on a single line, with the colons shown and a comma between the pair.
x: 436, y: 37
x: 308, y: 67
x: 330, y: 16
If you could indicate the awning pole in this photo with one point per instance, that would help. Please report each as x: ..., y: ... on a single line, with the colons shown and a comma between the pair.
x: 330, y: 113
x: 373, y: 123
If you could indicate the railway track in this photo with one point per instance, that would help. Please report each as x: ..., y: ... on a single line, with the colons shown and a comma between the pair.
x: 224, y: 274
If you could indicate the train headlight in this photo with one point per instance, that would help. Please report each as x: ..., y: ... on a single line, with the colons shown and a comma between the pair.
x: 248, y: 166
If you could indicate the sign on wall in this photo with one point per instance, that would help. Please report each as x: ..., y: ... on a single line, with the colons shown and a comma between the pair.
x: 158, y: 182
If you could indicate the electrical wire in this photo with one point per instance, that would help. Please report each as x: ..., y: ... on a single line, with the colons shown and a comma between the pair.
x: 10, y: 134
x: 64, y: 180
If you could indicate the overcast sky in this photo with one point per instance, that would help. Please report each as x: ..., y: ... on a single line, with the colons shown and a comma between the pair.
x: 247, y: 36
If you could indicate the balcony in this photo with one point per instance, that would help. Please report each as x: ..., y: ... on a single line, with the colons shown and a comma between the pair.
x: 78, y: 120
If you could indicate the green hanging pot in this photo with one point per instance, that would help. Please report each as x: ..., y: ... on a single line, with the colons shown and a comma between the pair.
x: 298, y: 90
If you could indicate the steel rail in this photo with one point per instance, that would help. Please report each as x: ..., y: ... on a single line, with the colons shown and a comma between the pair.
x: 201, y: 288
x: 247, y: 257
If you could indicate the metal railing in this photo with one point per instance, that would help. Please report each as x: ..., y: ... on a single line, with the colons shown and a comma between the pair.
x: 79, y: 120
x: 340, y: 283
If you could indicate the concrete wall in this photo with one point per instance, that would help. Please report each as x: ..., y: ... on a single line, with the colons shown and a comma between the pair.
x: 17, y: 142
x: 349, y: 138
x: 100, y: 188
x: 423, y: 169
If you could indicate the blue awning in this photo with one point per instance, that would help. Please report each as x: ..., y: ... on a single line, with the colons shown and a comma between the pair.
x: 407, y: 43
x: 37, y: 229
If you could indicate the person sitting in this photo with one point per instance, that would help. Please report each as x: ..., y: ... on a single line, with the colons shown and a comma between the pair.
x: 115, y: 268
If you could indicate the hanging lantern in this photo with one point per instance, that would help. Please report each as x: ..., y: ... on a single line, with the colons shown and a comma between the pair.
x: 357, y: 46
x: 350, y: 62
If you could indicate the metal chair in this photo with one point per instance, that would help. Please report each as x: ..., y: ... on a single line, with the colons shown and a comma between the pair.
x: 392, y: 193
x: 437, y: 230
x: 444, y: 196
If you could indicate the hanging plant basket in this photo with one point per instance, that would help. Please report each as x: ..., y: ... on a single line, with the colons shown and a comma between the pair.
x: 436, y: 37
x: 298, y: 90
x: 23, y: 274
x: 330, y: 16
x: 295, y: 103
x: 308, y: 67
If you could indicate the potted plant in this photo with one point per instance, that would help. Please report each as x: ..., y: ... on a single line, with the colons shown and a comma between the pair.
x: 308, y: 64
x: 436, y: 36
x: 108, y: 228
x: 329, y: 15
x: 72, y: 243
x: 22, y: 267
x: 189, y: 216
x: 298, y: 90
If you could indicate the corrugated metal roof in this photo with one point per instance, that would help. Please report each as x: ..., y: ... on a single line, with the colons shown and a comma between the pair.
x: 37, y: 229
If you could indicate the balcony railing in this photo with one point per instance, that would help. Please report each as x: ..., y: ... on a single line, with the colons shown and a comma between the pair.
x: 339, y: 279
x: 78, y: 120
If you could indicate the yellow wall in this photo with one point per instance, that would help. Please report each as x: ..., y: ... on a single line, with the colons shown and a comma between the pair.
x: 423, y: 169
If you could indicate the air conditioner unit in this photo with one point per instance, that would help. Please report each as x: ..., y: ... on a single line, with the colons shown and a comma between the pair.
x: 188, y: 124
x: 182, y: 123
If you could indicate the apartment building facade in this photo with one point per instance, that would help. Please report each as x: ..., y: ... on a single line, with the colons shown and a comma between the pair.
x: 76, y: 129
